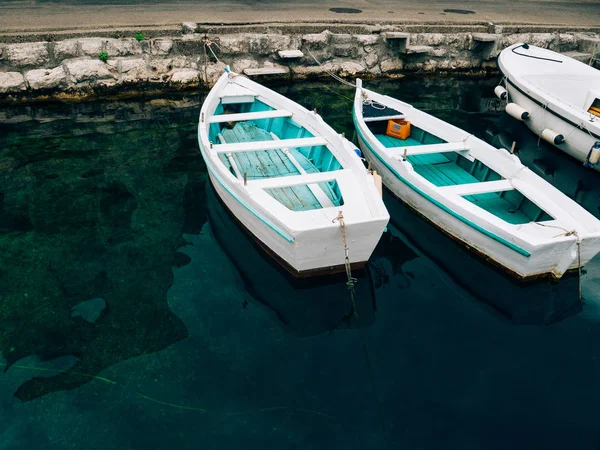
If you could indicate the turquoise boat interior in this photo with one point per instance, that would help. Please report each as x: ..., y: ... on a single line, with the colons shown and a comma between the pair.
x: 451, y: 168
x: 283, y: 162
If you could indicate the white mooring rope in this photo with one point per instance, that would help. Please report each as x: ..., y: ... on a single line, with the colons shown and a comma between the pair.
x: 570, y: 233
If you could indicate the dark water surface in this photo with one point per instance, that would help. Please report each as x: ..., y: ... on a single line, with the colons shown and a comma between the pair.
x: 134, y: 314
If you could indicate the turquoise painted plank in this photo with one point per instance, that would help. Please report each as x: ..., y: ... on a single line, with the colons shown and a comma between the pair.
x: 438, y: 204
x: 275, y: 163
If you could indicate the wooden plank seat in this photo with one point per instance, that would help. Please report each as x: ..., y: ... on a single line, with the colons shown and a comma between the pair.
x: 272, y: 163
x: 253, y: 146
x: 483, y: 187
x: 271, y: 114
x: 430, y: 148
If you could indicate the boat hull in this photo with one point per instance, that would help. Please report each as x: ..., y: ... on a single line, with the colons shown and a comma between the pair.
x: 312, y: 253
x: 517, y: 265
x: 577, y: 142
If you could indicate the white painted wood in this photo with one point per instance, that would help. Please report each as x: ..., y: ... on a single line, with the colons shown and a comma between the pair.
x: 558, y: 83
x: 236, y: 169
x: 268, y: 145
x: 551, y: 246
x: 430, y: 148
x: 293, y: 180
x: 290, y: 54
x: 221, y: 118
x: 377, y: 119
x: 305, y: 240
x: 478, y: 188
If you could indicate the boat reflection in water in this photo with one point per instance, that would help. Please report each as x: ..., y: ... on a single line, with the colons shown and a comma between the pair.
x: 536, y: 302
x: 305, y: 307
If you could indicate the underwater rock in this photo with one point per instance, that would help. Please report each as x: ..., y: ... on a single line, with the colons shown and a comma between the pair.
x: 89, y: 310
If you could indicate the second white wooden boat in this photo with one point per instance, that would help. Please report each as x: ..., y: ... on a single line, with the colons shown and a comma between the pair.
x: 557, y: 97
x: 480, y: 195
x: 286, y: 176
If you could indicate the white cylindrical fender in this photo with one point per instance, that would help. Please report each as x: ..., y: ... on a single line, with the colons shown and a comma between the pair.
x: 378, y: 182
x: 552, y: 136
x: 594, y: 154
x: 514, y: 110
x: 501, y: 93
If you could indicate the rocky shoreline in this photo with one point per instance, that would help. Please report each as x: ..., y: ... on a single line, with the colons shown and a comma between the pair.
x: 80, y: 68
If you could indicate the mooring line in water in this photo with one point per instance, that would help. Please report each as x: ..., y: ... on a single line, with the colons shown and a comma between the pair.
x: 337, y: 93
x: 353, y: 313
x: 571, y: 233
x: 43, y: 369
x: 173, y: 405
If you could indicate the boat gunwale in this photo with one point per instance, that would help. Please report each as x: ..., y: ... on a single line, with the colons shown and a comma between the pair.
x: 436, y: 202
x: 535, y: 93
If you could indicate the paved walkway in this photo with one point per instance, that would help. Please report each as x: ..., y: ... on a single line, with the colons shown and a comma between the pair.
x: 30, y: 15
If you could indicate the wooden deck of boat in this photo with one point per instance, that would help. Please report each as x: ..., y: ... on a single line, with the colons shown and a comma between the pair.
x: 274, y: 163
x: 441, y: 171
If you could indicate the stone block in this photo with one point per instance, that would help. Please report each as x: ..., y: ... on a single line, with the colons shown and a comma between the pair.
x: 395, y: 35
x: 486, y: 37
x: 345, y: 51
x: 185, y: 77
x: 351, y: 68
x: 371, y: 59
x: 232, y: 45
x: 27, y: 54
x: 341, y: 38
x: 311, y: 71
x: 161, y: 46
x: 91, y: 46
x: 264, y: 71
x: 239, y: 65
x: 189, y: 27
x: 589, y: 44
x: 391, y: 65
x: 290, y: 54
x: 66, y: 49
x: 11, y: 82
x: 418, y: 49
x: 316, y: 41
x: 133, y: 70
x: 88, y: 70
x: 367, y: 39
x: 46, y: 78
x: 579, y: 56
x: 267, y: 44
x: 122, y: 47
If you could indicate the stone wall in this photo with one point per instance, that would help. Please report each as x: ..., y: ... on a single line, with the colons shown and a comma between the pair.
x: 72, y: 68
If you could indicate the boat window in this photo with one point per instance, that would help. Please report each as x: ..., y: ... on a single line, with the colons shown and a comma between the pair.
x: 308, y: 196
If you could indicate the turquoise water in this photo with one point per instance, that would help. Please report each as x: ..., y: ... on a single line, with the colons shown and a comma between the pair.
x: 135, y: 314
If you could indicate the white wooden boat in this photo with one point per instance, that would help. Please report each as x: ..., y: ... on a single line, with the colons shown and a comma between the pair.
x: 556, y: 96
x: 286, y: 175
x: 480, y: 195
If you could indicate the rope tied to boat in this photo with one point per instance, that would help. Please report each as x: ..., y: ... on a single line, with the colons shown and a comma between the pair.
x: 351, y: 283
x: 570, y: 233
x: 329, y: 72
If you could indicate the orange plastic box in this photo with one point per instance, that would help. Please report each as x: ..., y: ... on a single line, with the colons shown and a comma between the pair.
x: 398, y: 128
